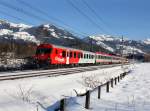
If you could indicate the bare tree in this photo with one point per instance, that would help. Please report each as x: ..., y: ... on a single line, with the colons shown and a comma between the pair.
x: 91, y: 81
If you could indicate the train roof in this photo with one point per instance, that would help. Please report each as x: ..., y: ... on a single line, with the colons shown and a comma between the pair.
x: 105, y: 54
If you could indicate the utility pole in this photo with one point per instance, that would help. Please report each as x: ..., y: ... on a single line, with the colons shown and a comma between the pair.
x: 122, y: 43
x: 133, y: 56
x: 91, y: 47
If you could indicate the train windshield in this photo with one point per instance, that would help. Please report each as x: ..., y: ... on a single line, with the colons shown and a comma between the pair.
x: 43, y: 51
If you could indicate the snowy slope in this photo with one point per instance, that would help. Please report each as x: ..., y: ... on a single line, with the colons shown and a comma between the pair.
x: 5, y: 32
x: 25, y: 36
x: 13, y: 26
x: 99, y: 41
x: 130, y: 49
x: 105, y: 38
x: 14, y: 31
x: 147, y: 41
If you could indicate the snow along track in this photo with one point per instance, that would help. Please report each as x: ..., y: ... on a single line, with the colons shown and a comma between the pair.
x: 54, y: 72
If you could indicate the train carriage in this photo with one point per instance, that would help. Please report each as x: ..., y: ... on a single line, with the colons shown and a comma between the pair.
x: 50, y: 54
x: 103, y: 58
x: 53, y: 54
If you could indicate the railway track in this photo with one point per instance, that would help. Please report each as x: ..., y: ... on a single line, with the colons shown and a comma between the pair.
x: 52, y: 72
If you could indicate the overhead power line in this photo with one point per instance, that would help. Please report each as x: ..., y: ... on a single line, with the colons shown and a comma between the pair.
x: 29, y: 14
x: 12, y: 16
x: 95, y: 13
x: 51, y: 17
x: 85, y: 15
x: 39, y: 11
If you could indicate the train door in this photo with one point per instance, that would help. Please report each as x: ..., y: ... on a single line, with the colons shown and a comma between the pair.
x: 67, y: 57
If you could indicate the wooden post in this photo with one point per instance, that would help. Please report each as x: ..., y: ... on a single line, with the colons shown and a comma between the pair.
x: 118, y: 78
x: 124, y: 74
x: 62, y: 105
x: 107, y: 87
x: 87, y: 100
x: 112, y: 82
x: 99, y: 92
x: 115, y: 81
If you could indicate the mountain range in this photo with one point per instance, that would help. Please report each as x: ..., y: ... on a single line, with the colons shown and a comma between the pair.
x: 26, y: 36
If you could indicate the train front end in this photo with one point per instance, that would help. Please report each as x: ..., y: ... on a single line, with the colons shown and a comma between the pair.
x: 43, y: 55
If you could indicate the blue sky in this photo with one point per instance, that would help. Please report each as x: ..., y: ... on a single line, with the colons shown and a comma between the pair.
x: 130, y: 18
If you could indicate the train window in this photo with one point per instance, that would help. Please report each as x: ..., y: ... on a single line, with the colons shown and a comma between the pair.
x: 75, y: 55
x: 92, y: 56
x: 43, y: 50
x: 84, y: 55
x: 63, y: 53
x: 87, y: 56
x: 70, y: 54
x: 56, y: 51
x: 81, y: 55
x: 78, y: 55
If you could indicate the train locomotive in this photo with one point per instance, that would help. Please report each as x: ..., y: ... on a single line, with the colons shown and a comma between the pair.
x: 54, y: 55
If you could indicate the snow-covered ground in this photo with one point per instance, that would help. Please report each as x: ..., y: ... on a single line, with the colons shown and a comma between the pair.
x: 45, y: 92
x: 131, y: 94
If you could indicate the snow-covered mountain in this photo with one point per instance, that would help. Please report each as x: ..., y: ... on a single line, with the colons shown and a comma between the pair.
x: 29, y: 36
x: 22, y: 39
x: 35, y: 34
x: 115, y: 44
x: 11, y: 31
x: 99, y: 41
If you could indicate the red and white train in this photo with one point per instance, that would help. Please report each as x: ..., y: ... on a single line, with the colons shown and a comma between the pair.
x: 59, y: 55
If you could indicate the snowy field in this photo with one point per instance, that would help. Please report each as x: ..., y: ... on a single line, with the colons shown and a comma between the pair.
x: 44, y: 93
x: 131, y: 94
